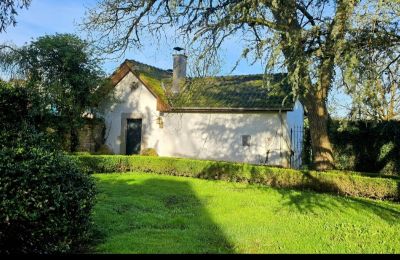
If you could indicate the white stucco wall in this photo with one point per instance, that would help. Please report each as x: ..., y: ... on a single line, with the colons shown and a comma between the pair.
x: 295, y: 121
x: 215, y: 136
x: 218, y: 136
x: 296, y: 117
x: 132, y: 103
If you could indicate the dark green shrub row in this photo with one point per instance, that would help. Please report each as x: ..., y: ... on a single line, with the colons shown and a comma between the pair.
x: 333, y: 182
x: 364, y: 146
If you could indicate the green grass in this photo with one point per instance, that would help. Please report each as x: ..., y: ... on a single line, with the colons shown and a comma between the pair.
x: 145, y: 213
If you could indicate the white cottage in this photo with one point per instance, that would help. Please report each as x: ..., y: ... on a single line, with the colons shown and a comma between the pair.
x: 233, y: 118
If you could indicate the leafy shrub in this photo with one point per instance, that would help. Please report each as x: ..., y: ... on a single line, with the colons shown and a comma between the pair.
x: 344, y: 183
x: 149, y: 152
x: 46, y: 199
x: 367, y: 146
x: 363, y: 146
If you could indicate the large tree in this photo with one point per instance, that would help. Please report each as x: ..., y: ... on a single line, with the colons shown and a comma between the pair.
x: 306, y: 38
x: 62, y: 70
x: 9, y: 11
x: 375, y: 93
x: 374, y: 83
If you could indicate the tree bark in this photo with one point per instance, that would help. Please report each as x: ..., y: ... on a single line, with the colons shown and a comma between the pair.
x: 74, y: 142
x: 322, y: 151
x: 313, y: 96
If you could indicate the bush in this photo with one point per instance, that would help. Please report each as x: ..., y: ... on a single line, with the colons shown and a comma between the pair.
x: 46, y: 199
x: 149, y: 152
x: 367, y: 146
x: 364, y: 146
x: 343, y: 183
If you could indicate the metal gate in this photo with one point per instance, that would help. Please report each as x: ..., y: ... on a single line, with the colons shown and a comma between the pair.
x: 296, y: 141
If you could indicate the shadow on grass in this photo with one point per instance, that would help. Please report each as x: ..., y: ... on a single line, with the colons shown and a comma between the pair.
x: 310, y: 202
x: 307, y: 201
x: 154, y: 216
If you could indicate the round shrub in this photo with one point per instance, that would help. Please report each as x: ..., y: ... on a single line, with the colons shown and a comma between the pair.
x: 46, y: 201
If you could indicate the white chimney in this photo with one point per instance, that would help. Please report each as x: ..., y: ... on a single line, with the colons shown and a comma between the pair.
x: 179, y: 71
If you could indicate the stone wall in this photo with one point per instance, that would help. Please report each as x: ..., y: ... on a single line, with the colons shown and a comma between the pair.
x: 91, y: 136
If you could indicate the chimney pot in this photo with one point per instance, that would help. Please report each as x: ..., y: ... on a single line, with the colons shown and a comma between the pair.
x: 179, y: 70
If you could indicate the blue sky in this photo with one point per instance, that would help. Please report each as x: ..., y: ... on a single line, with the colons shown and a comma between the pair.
x: 62, y: 16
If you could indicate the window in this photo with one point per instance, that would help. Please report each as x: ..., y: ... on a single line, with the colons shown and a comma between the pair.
x: 246, y: 140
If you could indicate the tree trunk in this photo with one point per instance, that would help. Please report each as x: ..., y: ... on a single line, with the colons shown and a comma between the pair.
x: 321, y: 147
x: 314, y: 95
x: 74, y: 142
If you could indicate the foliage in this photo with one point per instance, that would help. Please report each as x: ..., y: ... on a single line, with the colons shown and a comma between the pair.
x: 340, y: 183
x: 14, y: 104
x: 8, y: 11
x: 46, y: 199
x: 367, y: 146
x: 306, y: 152
x: 21, y: 109
x: 149, y: 152
x: 370, y: 72
x: 146, y: 213
x: 62, y: 70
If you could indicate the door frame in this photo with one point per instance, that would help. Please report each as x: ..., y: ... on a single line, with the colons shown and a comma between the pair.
x: 124, y: 128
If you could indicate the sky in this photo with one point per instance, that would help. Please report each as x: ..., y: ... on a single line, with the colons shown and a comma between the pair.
x: 47, y: 17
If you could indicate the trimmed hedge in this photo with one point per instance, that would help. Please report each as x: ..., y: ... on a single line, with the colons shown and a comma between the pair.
x: 333, y: 182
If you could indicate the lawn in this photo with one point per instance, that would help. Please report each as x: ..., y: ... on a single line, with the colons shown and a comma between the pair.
x: 145, y: 213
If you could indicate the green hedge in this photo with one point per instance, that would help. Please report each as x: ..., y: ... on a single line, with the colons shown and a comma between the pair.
x: 333, y: 182
x: 364, y: 146
x: 367, y: 146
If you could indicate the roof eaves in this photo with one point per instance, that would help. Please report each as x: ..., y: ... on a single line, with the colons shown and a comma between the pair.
x: 226, y: 109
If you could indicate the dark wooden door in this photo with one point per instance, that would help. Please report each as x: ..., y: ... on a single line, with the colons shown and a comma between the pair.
x: 133, y: 136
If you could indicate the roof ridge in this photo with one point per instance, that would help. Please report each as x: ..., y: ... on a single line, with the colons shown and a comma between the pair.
x: 150, y: 66
x: 242, y: 75
x: 219, y: 76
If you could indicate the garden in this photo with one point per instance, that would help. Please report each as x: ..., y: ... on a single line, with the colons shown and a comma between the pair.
x: 58, y: 202
x: 63, y: 191
x: 148, y: 213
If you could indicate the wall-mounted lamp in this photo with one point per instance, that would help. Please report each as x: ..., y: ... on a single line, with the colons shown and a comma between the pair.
x: 160, y: 122
x: 134, y: 85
